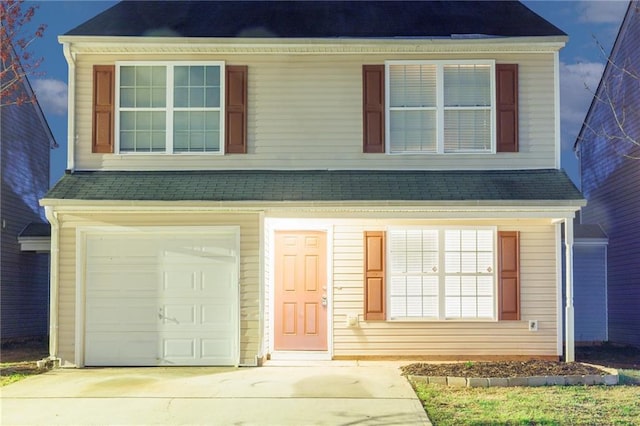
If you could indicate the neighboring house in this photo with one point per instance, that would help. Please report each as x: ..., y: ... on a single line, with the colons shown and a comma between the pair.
x: 590, y: 284
x: 610, y: 167
x: 326, y: 180
x: 25, y: 143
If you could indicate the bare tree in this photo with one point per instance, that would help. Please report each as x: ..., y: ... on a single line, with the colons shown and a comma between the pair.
x: 619, y: 94
x: 17, y: 58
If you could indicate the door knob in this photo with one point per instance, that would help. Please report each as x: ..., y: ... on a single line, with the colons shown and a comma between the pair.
x: 324, y: 300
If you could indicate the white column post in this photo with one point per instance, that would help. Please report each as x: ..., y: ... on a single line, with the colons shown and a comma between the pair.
x: 569, y: 353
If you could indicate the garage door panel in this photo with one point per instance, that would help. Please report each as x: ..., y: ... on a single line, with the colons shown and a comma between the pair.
x: 213, y: 315
x: 180, y: 281
x: 217, y: 315
x: 116, y: 314
x: 179, y: 350
x: 132, y: 349
x: 122, y: 284
x: 117, y: 245
x: 178, y: 315
x: 178, y: 291
x: 218, y: 281
x: 206, y: 280
x: 214, y: 349
x: 196, y: 351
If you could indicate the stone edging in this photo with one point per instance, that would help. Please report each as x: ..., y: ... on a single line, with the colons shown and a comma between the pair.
x: 609, y: 379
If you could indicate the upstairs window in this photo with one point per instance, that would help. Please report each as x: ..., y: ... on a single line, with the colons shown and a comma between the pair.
x: 440, y: 107
x: 169, y: 108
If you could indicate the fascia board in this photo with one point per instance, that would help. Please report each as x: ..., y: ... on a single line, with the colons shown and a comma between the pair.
x: 488, y: 207
x: 133, y: 45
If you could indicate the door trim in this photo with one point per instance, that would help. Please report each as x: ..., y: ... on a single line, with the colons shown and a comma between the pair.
x: 82, y: 234
x: 301, y: 225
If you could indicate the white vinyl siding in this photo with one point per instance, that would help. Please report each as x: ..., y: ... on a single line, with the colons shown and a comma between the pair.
x: 440, y: 107
x: 448, y: 338
x: 295, y: 124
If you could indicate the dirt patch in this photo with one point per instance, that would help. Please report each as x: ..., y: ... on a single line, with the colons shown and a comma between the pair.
x: 502, y: 369
x: 614, y: 356
x: 20, y: 357
x: 24, y: 350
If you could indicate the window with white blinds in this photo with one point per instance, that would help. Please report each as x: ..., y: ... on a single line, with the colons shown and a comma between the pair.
x: 440, y: 107
x: 441, y: 273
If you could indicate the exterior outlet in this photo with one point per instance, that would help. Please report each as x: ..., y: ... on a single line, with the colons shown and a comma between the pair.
x: 352, y: 320
x: 533, y: 325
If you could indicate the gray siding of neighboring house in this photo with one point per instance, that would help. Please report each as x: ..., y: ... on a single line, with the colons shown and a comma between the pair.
x: 24, y: 277
x: 590, y: 293
x: 611, y: 181
x: 589, y: 290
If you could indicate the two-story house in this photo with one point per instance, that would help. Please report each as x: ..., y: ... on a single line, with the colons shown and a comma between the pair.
x: 311, y: 180
x: 608, y: 146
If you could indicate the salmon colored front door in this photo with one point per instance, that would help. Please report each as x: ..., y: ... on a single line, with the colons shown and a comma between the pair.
x: 300, y: 318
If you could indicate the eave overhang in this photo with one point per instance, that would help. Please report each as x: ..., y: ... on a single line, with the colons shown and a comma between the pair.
x: 35, y: 244
x: 345, y: 46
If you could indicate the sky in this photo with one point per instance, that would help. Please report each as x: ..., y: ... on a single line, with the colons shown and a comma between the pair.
x: 587, y: 22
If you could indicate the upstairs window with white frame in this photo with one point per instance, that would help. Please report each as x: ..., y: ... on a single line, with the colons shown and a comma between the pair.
x: 441, y: 274
x: 169, y: 108
x: 440, y: 107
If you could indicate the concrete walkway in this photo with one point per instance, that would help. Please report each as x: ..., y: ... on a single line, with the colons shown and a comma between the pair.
x: 354, y: 393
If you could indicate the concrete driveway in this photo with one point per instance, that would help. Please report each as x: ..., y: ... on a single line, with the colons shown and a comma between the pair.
x: 335, y: 393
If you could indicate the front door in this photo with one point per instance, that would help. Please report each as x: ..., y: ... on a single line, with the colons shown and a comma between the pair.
x: 300, y: 291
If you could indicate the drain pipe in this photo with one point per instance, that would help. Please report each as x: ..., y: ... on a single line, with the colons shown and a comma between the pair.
x: 569, y: 355
x: 52, y: 217
x: 71, y: 106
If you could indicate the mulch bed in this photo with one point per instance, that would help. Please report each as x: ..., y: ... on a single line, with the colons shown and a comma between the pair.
x: 607, y: 355
x: 502, y: 369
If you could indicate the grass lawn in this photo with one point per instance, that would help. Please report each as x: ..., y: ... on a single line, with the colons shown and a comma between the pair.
x: 552, y: 405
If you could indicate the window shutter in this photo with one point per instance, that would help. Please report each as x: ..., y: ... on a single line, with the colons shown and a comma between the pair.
x: 373, y: 108
x: 236, y: 109
x: 507, y: 107
x: 509, y: 275
x: 103, y: 108
x: 374, y: 286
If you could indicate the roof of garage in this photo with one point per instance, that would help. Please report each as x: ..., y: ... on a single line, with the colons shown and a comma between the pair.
x: 319, y: 185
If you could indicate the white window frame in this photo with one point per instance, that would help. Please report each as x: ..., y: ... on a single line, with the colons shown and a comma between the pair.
x: 169, y: 108
x: 441, y: 273
x: 440, y: 108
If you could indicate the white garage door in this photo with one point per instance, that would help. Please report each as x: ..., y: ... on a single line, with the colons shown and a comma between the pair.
x: 162, y: 299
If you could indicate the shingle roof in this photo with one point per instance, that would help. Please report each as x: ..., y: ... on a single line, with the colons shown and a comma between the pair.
x: 317, y: 19
x: 318, y: 185
x: 587, y: 231
x: 36, y: 229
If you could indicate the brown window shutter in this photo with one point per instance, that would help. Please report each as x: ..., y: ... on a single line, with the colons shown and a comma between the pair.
x: 509, y: 275
x: 373, y: 108
x: 507, y: 107
x: 374, y: 286
x: 103, y: 108
x: 236, y: 109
